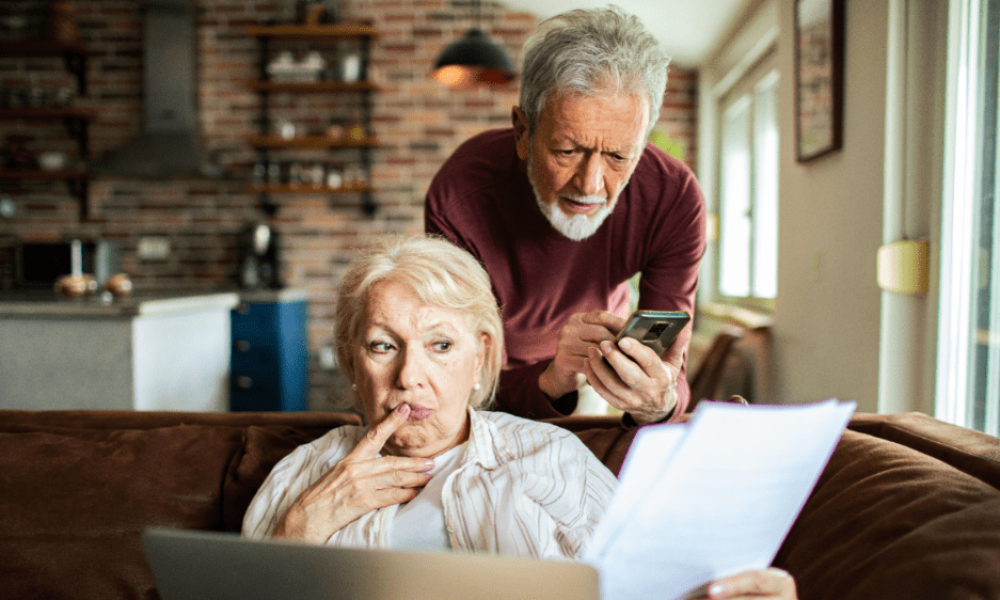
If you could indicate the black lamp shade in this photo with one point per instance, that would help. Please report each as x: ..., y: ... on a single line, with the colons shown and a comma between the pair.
x: 473, y: 60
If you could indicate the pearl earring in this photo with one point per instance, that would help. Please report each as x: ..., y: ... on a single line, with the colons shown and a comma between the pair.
x: 354, y: 387
x: 476, y: 387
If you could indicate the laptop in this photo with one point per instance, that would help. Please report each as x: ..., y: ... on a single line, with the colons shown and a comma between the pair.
x: 191, y: 565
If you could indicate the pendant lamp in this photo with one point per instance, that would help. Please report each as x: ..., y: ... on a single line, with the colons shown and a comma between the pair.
x: 473, y: 60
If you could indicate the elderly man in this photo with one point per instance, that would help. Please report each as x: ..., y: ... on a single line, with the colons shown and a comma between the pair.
x: 566, y: 206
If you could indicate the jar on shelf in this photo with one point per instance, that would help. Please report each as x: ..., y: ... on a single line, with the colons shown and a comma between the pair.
x: 350, y: 67
x: 334, y: 178
x: 316, y: 174
x: 284, y: 129
x: 274, y: 173
x: 294, y: 175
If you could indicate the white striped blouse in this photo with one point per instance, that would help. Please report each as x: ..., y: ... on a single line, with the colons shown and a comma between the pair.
x: 523, y: 488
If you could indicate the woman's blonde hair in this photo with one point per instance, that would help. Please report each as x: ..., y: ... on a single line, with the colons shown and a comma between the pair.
x: 440, y: 274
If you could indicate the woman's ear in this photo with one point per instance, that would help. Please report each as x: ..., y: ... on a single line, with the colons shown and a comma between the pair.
x: 521, y: 137
x: 485, y: 344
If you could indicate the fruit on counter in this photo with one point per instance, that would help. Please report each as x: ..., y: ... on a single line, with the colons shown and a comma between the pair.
x: 119, y: 285
x: 75, y: 285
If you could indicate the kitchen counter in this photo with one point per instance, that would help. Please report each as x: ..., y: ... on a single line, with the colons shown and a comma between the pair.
x: 147, y: 351
x: 49, y: 304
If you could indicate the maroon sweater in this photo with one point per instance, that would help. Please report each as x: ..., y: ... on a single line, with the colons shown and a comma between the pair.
x: 482, y: 201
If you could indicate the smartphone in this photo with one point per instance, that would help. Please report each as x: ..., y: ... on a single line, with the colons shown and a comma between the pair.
x: 656, y: 329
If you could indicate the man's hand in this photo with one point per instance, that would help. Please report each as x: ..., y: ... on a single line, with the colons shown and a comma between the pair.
x: 634, y: 379
x: 581, y: 332
x: 360, y: 483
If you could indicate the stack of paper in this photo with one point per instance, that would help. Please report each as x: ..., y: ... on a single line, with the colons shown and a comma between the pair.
x: 711, y: 497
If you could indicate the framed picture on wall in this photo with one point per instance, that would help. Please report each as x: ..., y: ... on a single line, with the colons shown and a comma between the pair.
x: 819, y: 77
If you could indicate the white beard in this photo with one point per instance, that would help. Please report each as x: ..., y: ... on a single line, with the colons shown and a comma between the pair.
x: 577, y: 227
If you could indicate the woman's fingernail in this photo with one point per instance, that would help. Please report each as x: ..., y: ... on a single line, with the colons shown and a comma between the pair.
x: 625, y: 343
x: 715, y: 589
x: 403, y: 409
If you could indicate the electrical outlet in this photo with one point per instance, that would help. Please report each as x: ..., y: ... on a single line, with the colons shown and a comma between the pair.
x: 153, y: 248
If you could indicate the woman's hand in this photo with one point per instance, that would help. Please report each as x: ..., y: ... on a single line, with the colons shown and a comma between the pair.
x: 360, y: 483
x: 770, y: 583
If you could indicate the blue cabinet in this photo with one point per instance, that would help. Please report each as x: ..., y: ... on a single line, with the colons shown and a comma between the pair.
x: 270, y: 366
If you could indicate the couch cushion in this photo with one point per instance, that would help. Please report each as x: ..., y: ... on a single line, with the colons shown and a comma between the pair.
x: 75, y: 501
x: 888, y: 522
x: 262, y: 448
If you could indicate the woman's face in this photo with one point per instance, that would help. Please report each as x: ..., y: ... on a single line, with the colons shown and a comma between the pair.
x: 421, y: 355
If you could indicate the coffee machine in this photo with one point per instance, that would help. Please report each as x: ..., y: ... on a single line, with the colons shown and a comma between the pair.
x: 259, y: 257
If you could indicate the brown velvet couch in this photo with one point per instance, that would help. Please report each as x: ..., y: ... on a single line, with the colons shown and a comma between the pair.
x: 908, y: 507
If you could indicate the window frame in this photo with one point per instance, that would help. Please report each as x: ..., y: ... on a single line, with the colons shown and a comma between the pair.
x: 764, y: 73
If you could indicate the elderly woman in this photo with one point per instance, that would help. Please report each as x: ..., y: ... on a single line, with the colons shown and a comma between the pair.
x: 419, y: 335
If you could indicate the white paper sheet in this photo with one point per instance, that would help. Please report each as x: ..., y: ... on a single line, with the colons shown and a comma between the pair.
x: 711, y: 497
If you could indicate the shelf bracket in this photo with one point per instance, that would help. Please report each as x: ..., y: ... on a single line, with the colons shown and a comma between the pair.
x: 79, y: 130
x: 267, y: 204
x: 368, y: 204
x: 76, y: 64
x: 80, y: 189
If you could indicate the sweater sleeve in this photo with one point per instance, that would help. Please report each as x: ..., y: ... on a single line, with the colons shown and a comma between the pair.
x: 519, y: 394
x: 670, y: 279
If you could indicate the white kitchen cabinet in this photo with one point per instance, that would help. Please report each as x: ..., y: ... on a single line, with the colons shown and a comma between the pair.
x: 142, y: 353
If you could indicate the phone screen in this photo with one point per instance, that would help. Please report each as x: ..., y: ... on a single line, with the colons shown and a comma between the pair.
x: 655, y: 329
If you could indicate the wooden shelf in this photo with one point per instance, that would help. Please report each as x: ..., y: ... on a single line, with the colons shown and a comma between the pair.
x: 328, y: 87
x: 313, y: 141
x: 76, y: 180
x: 74, y: 54
x: 307, y: 188
x: 48, y: 112
x: 44, y: 175
x: 313, y: 32
x: 40, y: 47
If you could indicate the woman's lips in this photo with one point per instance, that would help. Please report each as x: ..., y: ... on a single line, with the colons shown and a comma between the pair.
x: 419, y: 413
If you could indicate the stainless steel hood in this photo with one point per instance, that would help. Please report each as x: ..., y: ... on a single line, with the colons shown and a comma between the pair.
x: 170, y: 145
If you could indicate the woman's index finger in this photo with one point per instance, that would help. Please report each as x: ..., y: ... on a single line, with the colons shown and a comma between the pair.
x: 375, y: 439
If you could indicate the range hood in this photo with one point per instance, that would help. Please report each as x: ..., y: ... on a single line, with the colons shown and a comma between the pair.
x: 170, y: 145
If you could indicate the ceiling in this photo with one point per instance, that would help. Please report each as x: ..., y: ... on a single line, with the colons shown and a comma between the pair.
x: 688, y: 29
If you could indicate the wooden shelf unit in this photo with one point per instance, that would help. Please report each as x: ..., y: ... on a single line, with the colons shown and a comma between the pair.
x: 310, y: 141
x: 317, y: 87
x: 74, y: 54
x: 307, y: 188
x: 265, y: 143
x: 313, y: 32
x: 77, y: 120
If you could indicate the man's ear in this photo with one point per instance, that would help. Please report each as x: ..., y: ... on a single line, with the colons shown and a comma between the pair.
x: 520, y: 123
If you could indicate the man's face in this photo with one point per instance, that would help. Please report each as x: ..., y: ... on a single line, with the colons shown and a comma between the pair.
x: 581, y: 156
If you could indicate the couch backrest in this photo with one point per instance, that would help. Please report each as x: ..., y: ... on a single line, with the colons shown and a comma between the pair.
x: 77, y: 488
x: 906, y: 509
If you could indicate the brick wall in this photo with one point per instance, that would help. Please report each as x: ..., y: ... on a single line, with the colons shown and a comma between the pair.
x: 418, y: 123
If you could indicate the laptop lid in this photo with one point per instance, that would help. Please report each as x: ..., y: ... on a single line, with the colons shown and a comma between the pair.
x: 188, y: 565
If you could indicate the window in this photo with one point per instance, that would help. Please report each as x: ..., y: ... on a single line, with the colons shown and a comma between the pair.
x: 968, y: 382
x: 748, y: 194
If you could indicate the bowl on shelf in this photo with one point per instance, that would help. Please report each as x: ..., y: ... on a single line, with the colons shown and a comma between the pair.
x: 52, y: 161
